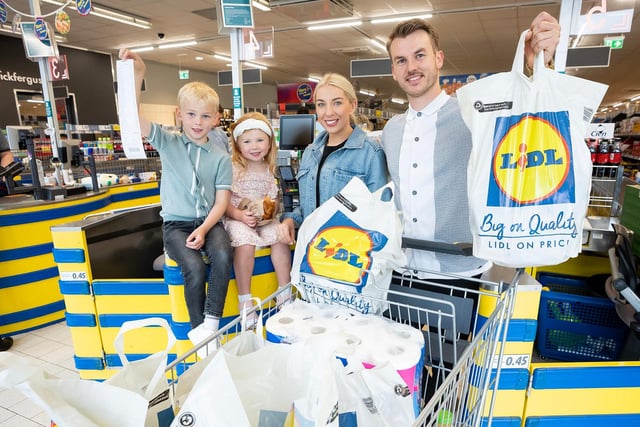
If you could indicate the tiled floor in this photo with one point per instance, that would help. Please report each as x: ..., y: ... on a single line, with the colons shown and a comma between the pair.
x: 51, y: 347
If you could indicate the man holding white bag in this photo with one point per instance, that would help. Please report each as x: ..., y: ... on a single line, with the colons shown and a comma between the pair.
x: 428, y: 147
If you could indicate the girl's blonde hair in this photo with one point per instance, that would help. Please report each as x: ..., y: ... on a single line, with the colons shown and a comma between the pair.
x: 236, y: 156
x: 198, y: 91
x: 342, y: 83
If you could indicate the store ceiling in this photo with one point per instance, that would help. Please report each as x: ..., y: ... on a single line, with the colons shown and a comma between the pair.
x: 476, y: 37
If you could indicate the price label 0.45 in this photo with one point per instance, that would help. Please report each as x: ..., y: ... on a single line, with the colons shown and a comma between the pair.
x: 512, y: 361
x: 73, y: 276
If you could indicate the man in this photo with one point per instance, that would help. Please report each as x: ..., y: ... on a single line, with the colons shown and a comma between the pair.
x: 428, y: 146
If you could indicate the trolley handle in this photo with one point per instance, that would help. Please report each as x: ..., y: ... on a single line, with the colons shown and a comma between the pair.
x: 464, y: 249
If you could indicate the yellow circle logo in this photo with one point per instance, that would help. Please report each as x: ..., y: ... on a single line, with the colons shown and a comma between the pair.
x: 341, y: 253
x: 531, y: 162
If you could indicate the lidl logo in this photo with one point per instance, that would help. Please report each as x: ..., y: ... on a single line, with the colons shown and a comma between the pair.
x: 532, y: 161
x: 342, y: 251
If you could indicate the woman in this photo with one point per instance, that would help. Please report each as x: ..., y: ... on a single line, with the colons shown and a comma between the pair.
x: 339, y: 153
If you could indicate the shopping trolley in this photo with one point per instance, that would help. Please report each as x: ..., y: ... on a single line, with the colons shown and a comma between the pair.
x: 463, y: 350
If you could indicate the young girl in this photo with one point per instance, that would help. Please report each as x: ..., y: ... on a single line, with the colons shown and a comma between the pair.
x: 251, y: 215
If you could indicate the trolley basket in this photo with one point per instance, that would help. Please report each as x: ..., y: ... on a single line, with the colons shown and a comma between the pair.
x: 462, y: 355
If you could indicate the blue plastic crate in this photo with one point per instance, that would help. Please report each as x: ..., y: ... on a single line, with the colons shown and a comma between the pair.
x: 575, y: 325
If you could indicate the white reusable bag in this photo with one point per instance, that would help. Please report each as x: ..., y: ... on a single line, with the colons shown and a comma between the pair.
x: 146, y: 377
x: 351, y: 243
x: 529, y: 174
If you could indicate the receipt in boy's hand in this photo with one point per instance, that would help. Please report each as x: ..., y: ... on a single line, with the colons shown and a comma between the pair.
x: 128, y: 112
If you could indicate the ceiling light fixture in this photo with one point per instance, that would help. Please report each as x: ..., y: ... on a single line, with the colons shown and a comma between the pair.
x: 377, y: 43
x: 636, y: 98
x: 142, y: 49
x: 616, y: 105
x: 398, y: 100
x: 221, y: 57
x: 335, y: 25
x: 314, y: 79
x: 111, y: 14
x: 8, y: 29
x: 400, y: 18
x: 254, y: 65
x: 367, y: 92
x: 260, y: 5
x: 177, y: 44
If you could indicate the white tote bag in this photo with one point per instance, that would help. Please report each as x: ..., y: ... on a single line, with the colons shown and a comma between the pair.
x: 350, y: 243
x: 529, y: 174
x: 147, y: 377
x: 72, y: 402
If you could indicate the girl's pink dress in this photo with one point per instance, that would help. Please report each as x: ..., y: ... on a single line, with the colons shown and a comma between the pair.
x: 253, y: 186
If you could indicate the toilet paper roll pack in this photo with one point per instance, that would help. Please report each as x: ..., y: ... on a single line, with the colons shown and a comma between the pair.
x: 369, y: 339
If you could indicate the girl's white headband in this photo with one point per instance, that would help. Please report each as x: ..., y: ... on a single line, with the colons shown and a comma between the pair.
x: 250, y: 124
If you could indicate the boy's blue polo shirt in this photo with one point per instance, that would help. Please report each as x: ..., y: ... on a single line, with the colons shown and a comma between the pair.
x: 191, y: 175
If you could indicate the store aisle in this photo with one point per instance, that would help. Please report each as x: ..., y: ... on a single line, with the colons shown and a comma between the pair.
x: 51, y: 347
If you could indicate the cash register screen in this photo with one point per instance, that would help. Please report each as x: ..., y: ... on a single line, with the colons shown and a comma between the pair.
x: 297, y: 131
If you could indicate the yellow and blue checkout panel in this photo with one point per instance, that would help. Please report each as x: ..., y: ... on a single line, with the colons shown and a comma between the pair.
x: 107, y: 277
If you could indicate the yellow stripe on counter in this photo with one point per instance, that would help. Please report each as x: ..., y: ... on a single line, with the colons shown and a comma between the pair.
x: 86, y: 341
x: 26, y: 265
x: 583, y: 401
x: 508, y: 403
x: 124, y: 304
x: 80, y: 304
x: 30, y: 295
x: 527, y: 302
x: 72, y: 239
x: 32, y: 323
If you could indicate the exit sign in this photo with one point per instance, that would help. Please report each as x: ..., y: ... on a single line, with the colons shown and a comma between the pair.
x: 184, y: 74
x: 614, y: 42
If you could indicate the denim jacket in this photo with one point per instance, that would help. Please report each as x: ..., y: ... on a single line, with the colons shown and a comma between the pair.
x: 361, y: 156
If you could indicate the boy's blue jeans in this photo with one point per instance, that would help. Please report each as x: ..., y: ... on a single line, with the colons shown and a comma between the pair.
x: 196, y: 272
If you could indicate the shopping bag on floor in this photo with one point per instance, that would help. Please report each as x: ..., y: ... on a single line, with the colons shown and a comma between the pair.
x: 349, y: 246
x: 529, y: 174
x: 72, y: 402
x: 146, y: 377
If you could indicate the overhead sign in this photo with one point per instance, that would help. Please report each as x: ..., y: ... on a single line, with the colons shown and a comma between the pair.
x: 614, y: 42
x: 249, y: 76
x: 600, y: 21
x: 183, y: 74
x: 237, y: 13
x: 58, y: 68
x: 588, y: 57
x: 370, y: 67
x: 258, y: 43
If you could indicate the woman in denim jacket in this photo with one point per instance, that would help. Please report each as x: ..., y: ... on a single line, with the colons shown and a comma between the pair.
x: 339, y: 153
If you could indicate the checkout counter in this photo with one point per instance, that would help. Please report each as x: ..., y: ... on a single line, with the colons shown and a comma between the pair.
x: 30, y: 296
x: 107, y: 277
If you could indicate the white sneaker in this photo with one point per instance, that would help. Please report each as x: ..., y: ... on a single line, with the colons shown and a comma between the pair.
x: 199, y: 335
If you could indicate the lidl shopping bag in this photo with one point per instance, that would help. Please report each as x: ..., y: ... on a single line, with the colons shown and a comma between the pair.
x: 350, y: 245
x: 529, y: 174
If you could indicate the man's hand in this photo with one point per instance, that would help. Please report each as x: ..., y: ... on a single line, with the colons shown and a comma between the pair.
x: 543, y: 35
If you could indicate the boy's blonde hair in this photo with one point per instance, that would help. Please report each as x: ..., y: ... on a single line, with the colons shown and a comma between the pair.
x: 342, y: 83
x: 198, y: 91
x: 236, y: 156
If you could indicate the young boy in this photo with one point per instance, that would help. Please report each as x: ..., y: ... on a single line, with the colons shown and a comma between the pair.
x: 195, y: 193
